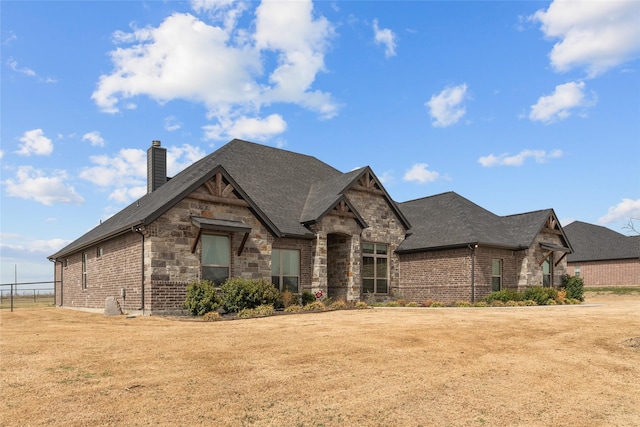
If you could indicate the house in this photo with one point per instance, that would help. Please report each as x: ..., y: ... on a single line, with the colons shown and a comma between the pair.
x: 603, y: 257
x: 460, y: 251
x: 252, y: 211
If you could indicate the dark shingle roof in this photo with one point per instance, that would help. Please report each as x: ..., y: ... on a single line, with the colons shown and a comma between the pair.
x: 276, y: 183
x: 449, y: 220
x: 596, y: 243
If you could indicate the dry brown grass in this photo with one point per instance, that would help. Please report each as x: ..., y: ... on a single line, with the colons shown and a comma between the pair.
x: 540, y: 366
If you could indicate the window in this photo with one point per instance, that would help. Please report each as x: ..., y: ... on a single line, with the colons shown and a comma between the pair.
x: 496, y: 275
x: 99, y: 252
x: 375, y: 270
x: 576, y: 271
x: 216, y: 255
x: 547, y: 272
x: 85, y: 258
x: 285, y: 269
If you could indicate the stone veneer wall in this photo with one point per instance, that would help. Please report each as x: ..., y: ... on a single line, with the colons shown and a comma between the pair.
x: 118, y: 268
x: 170, y: 266
x: 383, y: 227
x: 531, y: 270
x: 621, y: 272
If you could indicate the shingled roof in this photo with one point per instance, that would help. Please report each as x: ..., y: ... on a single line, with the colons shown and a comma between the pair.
x: 285, y: 190
x: 449, y: 220
x: 597, y: 243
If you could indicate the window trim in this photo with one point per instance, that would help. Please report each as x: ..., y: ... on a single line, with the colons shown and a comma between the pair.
x: 375, y: 255
x: 549, y: 260
x: 499, y: 275
x: 203, y: 265
x: 280, y: 275
x: 85, y: 261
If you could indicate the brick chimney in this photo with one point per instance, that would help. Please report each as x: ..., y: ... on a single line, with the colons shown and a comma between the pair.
x: 156, y: 166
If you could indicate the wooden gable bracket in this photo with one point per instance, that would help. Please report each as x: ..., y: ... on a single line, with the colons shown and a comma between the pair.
x: 546, y: 255
x: 552, y: 226
x: 368, y: 183
x: 219, y: 191
x: 342, y: 209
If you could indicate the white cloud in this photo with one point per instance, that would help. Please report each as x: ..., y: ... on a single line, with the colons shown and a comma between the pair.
x: 125, y: 174
x: 223, y: 68
x: 247, y: 128
x: 13, y: 64
x: 446, y: 108
x: 597, y: 35
x: 559, y: 105
x: 34, y: 142
x: 540, y: 156
x: 421, y: 174
x: 171, y: 124
x: 178, y: 158
x: 32, y: 184
x: 1, y: 154
x: 385, y: 37
x: 45, y: 247
x: 95, y: 138
x: 625, y: 210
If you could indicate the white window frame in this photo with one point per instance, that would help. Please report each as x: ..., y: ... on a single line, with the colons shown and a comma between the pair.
x: 377, y: 256
x: 277, y: 271
x: 496, y: 276
x: 225, y: 264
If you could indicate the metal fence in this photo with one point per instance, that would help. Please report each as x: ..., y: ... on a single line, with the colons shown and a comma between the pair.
x: 14, y: 295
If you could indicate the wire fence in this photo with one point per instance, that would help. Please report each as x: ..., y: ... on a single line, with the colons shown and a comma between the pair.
x: 15, y: 295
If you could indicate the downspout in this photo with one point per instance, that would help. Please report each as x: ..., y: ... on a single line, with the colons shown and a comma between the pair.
x: 137, y: 230
x: 473, y: 272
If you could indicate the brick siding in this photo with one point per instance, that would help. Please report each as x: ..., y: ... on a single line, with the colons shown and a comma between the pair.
x: 608, y: 273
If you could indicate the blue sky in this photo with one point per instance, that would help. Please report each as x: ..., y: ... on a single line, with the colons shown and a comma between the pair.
x: 517, y: 106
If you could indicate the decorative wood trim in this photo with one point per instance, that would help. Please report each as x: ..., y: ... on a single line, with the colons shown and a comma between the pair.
x: 546, y: 255
x: 195, y: 241
x: 561, y: 258
x: 360, y: 187
x: 552, y: 231
x: 218, y: 199
x: 244, y: 241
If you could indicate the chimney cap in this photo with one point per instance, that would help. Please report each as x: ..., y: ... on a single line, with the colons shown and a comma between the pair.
x: 156, y: 143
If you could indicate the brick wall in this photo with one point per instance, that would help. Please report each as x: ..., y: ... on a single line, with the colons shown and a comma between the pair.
x: 119, y: 267
x: 608, y: 273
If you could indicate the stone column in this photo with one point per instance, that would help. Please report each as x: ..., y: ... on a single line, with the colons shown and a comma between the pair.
x: 319, y: 260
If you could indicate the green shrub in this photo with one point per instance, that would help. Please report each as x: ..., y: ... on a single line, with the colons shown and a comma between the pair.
x: 462, y: 304
x: 437, y: 304
x: 480, y: 304
x: 239, y: 293
x: 211, y: 316
x: 202, y: 297
x: 393, y: 304
x: 412, y: 304
x: 307, y: 298
x: 574, y: 287
x: 540, y: 295
x: 361, y: 305
x: 504, y: 295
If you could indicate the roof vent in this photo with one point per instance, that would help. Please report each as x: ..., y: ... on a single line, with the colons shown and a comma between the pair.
x: 156, y: 166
